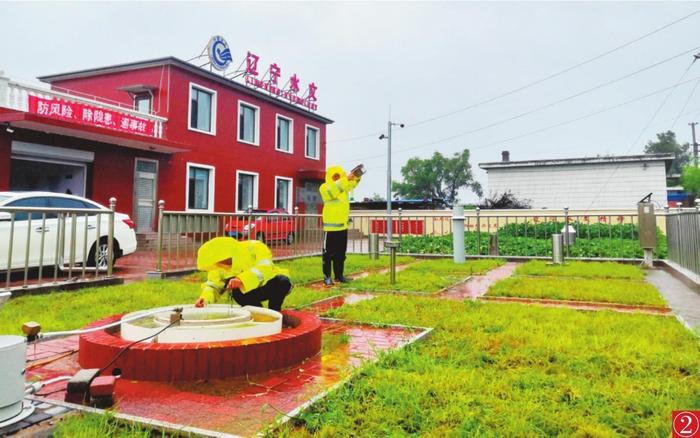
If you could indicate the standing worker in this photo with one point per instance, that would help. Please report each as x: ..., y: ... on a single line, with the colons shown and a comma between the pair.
x: 245, y: 270
x: 336, y: 214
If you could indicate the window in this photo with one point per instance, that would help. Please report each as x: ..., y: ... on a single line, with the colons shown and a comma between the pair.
x: 202, y: 109
x: 142, y: 103
x: 247, y: 191
x: 285, y: 134
x: 248, y: 121
x: 312, y: 148
x: 200, y: 188
x: 283, y: 194
x: 29, y: 202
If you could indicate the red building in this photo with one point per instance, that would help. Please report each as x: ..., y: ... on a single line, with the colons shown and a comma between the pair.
x: 161, y: 129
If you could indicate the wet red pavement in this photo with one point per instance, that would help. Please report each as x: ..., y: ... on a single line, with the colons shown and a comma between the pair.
x: 478, y: 285
x: 241, y: 405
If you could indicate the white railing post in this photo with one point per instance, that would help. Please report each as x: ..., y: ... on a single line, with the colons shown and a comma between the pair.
x: 4, y: 90
x: 458, y: 234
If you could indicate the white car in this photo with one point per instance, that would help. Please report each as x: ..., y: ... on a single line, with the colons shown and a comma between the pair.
x: 124, y: 235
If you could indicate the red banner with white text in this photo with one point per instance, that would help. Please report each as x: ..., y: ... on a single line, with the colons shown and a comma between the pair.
x: 90, y: 115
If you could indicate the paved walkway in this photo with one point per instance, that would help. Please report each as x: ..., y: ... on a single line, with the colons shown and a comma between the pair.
x: 684, y: 301
x: 478, y: 285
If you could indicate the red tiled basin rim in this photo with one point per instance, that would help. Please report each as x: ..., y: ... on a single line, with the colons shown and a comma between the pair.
x: 205, y: 360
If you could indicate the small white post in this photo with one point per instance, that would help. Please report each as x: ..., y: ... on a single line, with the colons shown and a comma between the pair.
x: 458, y: 234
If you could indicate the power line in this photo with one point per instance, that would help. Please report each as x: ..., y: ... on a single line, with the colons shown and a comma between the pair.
x: 534, y: 83
x: 556, y: 125
x: 636, y: 140
x: 540, y: 108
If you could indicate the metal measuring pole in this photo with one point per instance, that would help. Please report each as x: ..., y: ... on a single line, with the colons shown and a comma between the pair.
x: 110, y: 236
x: 389, y: 224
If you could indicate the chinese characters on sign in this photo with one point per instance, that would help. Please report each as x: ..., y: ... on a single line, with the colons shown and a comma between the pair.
x: 90, y: 115
x: 271, y: 86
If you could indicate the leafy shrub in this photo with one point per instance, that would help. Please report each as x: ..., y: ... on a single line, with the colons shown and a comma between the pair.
x: 512, y: 245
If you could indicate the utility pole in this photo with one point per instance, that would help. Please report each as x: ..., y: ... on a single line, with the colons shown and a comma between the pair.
x: 695, y: 143
x: 389, y: 224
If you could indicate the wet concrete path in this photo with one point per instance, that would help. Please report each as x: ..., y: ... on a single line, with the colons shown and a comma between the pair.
x: 684, y: 301
x: 478, y: 285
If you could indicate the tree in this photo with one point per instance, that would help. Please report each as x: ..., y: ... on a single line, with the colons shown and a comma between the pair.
x: 437, y: 177
x: 376, y: 197
x: 666, y: 144
x: 690, y: 180
x: 506, y: 200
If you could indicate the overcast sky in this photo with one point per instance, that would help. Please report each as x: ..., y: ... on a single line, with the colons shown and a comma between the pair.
x: 421, y: 59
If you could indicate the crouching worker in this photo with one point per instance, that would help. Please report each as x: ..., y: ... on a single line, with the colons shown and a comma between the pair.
x: 244, y: 270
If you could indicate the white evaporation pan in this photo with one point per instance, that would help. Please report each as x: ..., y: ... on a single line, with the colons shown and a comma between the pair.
x: 4, y: 296
x: 212, y: 323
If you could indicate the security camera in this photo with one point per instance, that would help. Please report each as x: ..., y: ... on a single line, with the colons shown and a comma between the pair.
x: 402, y: 125
x: 382, y: 137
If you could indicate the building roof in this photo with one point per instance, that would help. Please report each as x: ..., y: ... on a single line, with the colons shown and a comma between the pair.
x: 171, y: 60
x: 615, y: 159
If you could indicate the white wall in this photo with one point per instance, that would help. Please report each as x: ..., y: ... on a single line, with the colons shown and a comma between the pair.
x: 606, y: 185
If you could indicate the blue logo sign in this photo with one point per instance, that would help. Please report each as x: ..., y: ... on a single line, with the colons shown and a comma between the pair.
x: 219, y: 53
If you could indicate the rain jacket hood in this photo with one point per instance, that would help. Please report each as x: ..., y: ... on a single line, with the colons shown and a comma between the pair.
x: 251, y: 262
x: 334, y: 170
x: 336, y: 200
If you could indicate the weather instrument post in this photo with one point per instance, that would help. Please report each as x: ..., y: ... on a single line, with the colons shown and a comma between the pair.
x: 389, y: 224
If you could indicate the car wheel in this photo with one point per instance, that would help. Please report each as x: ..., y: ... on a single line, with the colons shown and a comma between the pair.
x: 102, y: 254
x: 290, y: 238
x: 260, y: 237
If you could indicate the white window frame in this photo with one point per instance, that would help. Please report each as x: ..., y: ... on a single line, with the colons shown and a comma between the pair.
x: 213, y: 108
x: 255, y: 189
x: 141, y: 96
x: 212, y: 185
x: 291, y: 133
x: 290, y: 195
x: 256, y: 142
x: 318, y: 141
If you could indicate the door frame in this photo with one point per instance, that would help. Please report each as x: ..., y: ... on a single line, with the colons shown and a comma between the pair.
x: 155, y: 194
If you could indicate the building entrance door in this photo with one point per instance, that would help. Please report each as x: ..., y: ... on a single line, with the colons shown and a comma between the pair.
x: 145, y: 190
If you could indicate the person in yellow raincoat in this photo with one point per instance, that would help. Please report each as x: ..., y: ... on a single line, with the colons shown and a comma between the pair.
x: 244, y: 270
x: 336, y: 213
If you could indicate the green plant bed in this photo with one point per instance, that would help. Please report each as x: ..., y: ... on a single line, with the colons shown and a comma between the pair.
x: 425, y: 276
x: 581, y: 269
x: 522, y: 246
x: 579, y: 289
x: 75, y: 309
x: 513, y: 370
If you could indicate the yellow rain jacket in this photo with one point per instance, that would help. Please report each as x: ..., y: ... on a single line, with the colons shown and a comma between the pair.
x: 251, y: 263
x: 336, y: 203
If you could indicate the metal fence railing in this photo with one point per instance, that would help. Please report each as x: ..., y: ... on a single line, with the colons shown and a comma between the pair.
x: 683, y: 233
x: 180, y: 234
x: 69, y: 244
x: 505, y: 233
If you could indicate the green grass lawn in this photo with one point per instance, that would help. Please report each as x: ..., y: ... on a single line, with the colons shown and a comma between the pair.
x: 425, y: 276
x: 581, y: 269
x: 579, y: 289
x: 514, y: 370
x: 308, y: 269
x: 75, y: 309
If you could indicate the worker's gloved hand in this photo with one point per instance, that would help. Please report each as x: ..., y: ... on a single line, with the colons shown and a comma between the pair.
x: 234, y: 283
x: 199, y: 303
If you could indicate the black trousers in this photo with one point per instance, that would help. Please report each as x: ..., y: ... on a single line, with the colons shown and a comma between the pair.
x: 335, y: 245
x: 274, y: 292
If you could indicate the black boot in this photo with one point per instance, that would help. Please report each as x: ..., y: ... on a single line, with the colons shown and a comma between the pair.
x: 338, y: 268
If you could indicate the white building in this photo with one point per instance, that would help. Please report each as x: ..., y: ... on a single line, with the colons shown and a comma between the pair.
x: 582, y: 183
